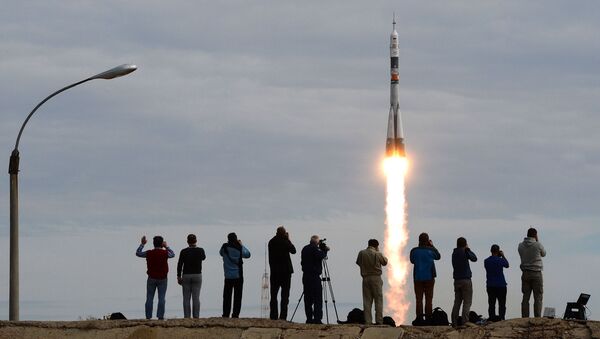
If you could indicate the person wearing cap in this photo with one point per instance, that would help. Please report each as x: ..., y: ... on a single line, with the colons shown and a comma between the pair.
x: 157, y: 270
x: 189, y: 276
x: 370, y: 261
x: 232, y: 252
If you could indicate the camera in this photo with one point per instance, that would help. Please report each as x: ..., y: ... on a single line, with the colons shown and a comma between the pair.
x: 323, y: 245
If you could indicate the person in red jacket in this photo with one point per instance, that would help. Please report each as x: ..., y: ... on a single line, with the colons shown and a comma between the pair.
x: 158, y: 268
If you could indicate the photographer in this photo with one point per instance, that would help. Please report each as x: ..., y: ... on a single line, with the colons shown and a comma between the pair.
x: 422, y: 257
x: 232, y: 252
x: 280, y: 263
x: 370, y: 261
x: 531, y: 252
x: 496, y: 283
x: 463, y: 286
x: 312, y: 267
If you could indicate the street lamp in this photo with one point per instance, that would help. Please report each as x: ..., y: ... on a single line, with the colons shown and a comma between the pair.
x: 13, y: 170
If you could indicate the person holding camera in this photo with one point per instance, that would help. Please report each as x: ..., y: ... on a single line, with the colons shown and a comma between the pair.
x: 312, y: 266
x: 189, y: 276
x: 531, y: 252
x: 370, y: 261
x: 422, y: 257
x: 280, y: 264
x: 463, y: 287
x: 158, y: 268
x: 232, y: 252
x: 496, y: 283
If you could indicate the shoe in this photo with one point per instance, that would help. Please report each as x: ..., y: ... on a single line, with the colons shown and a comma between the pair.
x: 317, y: 322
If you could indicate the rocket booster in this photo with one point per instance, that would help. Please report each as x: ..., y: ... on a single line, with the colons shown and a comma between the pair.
x: 395, y: 135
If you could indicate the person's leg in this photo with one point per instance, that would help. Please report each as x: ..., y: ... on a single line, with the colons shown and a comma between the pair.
x: 377, y: 293
x: 318, y: 300
x: 196, y: 286
x: 285, y: 283
x: 419, y: 291
x: 491, y: 292
x: 502, y: 302
x: 186, y: 288
x: 538, y: 294
x: 367, y: 301
x: 458, y: 298
x: 162, y: 291
x: 526, y: 289
x: 150, y: 289
x: 308, y: 299
x: 467, y: 299
x: 237, y: 297
x: 227, y: 290
x: 428, y: 291
x: 273, y: 302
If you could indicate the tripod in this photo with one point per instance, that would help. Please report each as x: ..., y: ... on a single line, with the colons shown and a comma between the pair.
x: 327, y: 288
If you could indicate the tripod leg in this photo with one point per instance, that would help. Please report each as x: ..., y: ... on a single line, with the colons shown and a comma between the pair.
x: 324, y: 288
x: 298, y: 304
x: 331, y: 290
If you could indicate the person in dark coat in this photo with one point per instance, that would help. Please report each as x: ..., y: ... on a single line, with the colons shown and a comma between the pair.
x: 281, y: 267
x: 312, y: 267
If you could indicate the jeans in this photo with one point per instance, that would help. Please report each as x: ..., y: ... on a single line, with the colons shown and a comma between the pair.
x: 424, y: 288
x: 191, y: 289
x: 232, y: 286
x: 496, y: 293
x: 463, y: 294
x: 532, y: 281
x: 313, y: 298
x: 278, y: 281
x: 372, y: 291
x: 151, y: 286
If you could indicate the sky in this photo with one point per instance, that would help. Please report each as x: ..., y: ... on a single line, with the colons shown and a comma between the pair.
x: 246, y: 115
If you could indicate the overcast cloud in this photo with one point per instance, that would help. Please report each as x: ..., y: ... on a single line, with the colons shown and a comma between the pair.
x: 245, y: 115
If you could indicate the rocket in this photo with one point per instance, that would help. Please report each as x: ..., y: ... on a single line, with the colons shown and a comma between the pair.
x: 394, y: 145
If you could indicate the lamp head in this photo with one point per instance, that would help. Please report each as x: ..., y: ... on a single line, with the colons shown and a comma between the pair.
x: 116, y: 72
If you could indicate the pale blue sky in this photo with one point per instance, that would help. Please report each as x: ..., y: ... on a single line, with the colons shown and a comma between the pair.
x: 243, y: 116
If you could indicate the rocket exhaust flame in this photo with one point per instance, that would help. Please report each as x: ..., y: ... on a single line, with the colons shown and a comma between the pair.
x: 396, y: 237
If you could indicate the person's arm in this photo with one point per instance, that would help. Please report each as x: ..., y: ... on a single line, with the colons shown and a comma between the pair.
x: 504, y: 262
x: 140, y: 251
x: 202, y: 254
x: 170, y: 253
x: 180, y: 264
x: 470, y: 254
x: 542, y: 250
x: 412, y: 256
x: 222, y: 251
x: 436, y: 253
x: 382, y: 259
x: 291, y: 247
x: 245, y: 253
x: 358, y: 257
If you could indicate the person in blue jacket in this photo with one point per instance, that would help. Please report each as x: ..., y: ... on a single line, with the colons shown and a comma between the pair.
x: 232, y: 252
x: 496, y: 283
x: 422, y: 257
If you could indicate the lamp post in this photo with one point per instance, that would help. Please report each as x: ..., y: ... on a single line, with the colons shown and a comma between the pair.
x: 13, y: 170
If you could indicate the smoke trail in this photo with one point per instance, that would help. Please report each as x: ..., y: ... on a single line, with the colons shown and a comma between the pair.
x: 396, y: 237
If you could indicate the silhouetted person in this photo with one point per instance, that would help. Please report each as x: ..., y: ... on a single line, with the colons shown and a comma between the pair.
x: 496, y: 283
x: 232, y: 252
x: 463, y: 287
x: 422, y: 257
x: 158, y: 268
x: 531, y: 252
x: 312, y: 267
x: 370, y: 261
x: 281, y: 267
x: 189, y: 276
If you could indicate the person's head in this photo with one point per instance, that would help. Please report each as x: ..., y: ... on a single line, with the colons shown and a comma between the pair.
x: 281, y: 231
x: 423, y: 239
x: 232, y: 237
x: 314, y: 239
x: 157, y: 241
x: 461, y: 242
x: 531, y: 232
x: 495, y: 249
x: 191, y: 239
x: 373, y: 243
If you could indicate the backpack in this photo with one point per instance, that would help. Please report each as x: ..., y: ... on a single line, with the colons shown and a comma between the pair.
x: 117, y: 316
x: 475, y: 318
x: 356, y: 316
x: 389, y: 321
x: 439, y: 317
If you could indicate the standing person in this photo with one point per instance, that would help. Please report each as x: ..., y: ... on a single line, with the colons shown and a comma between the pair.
x: 370, y: 261
x: 232, y: 252
x: 422, y: 257
x: 531, y: 252
x: 280, y: 263
x: 158, y: 268
x: 496, y: 283
x: 189, y: 276
x: 312, y: 267
x: 463, y: 287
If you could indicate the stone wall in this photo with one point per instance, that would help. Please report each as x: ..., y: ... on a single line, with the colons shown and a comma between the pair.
x: 260, y: 328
